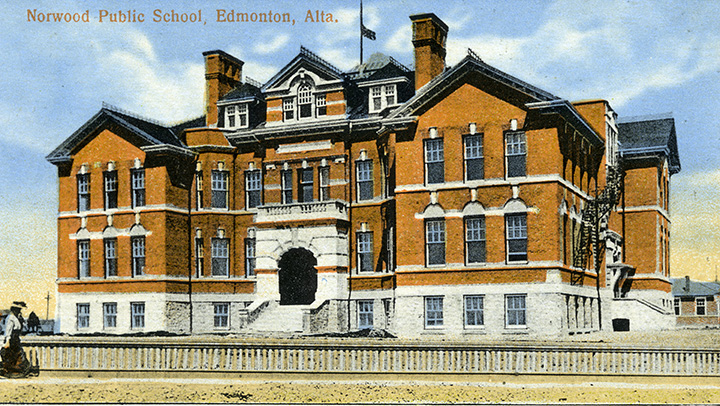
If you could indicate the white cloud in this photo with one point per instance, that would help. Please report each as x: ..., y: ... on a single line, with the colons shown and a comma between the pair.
x: 276, y: 43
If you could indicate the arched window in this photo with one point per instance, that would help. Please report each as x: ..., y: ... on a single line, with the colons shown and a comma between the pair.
x: 305, y: 99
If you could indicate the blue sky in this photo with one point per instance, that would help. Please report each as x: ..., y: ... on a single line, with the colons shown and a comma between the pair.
x: 644, y: 57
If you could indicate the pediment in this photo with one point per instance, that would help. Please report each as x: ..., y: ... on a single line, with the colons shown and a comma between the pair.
x: 305, y: 67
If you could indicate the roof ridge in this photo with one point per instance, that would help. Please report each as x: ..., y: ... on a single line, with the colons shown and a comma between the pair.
x: 115, y: 109
x: 644, y: 117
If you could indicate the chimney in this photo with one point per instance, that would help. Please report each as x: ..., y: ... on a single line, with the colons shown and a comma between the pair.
x: 222, y: 73
x: 429, y: 35
x: 687, y: 283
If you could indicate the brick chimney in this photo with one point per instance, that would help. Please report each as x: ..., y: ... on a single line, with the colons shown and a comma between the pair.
x: 429, y: 36
x: 222, y: 73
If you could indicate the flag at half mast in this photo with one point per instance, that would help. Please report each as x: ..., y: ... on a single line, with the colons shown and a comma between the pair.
x: 367, y: 33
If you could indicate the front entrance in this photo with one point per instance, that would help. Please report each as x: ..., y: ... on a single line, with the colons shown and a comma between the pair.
x: 297, y: 277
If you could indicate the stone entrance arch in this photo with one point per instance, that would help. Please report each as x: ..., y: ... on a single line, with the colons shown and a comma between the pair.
x: 297, y: 277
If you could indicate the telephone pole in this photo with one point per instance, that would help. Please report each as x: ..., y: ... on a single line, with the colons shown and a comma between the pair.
x: 47, y: 307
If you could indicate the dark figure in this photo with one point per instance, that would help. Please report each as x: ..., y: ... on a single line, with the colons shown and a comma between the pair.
x: 33, y: 323
x: 14, y: 361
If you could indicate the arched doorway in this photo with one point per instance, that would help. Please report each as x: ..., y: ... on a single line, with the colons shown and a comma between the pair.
x: 297, y: 277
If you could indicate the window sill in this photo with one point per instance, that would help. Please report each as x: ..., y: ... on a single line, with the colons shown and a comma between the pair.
x: 474, y: 330
x: 515, y: 329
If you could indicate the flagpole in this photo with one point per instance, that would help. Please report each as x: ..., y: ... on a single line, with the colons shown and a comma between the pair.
x: 361, y: 33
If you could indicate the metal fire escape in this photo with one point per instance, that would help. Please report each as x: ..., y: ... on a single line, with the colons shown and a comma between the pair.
x: 591, y: 237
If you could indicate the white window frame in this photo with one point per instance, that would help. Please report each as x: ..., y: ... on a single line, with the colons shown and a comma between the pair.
x: 219, y: 188
x: 111, y: 259
x: 435, y: 236
x: 364, y: 180
x: 288, y: 105
x: 515, y: 147
x: 137, y: 315
x: 677, y: 304
x: 138, y: 255
x: 236, y: 116
x: 110, y: 182
x: 474, y: 310
x: 324, y: 182
x: 434, y: 311
x: 700, y: 303
x: 381, y: 97
x: 475, y: 236
x: 434, y: 153
x: 220, y: 257
x: 286, y: 186
x: 221, y: 315
x: 365, y: 314
x: 516, y: 311
x: 253, y: 184
x: 109, y: 315
x: 83, y: 189
x: 304, y: 99
x: 516, y: 230
x: 320, y: 105
x: 137, y: 186
x: 250, y: 257
x: 199, y: 257
x: 473, y: 151
x: 365, y: 250
x: 83, y: 316
x: 83, y: 250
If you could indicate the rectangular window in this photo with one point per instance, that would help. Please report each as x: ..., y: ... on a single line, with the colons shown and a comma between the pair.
x: 474, y: 162
x: 286, y: 186
x: 474, y: 307
x: 389, y: 95
x: 83, y: 185
x: 305, y: 101
x: 433, y: 311
x: 230, y: 112
x: 137, y: 181
x: 110, y: 257
x: 365, y: 251
x: 475, y: 240
x: 515, y: 310
x: 138, y: 255
x: 199, y: 189
x: 109, y: 315
x: 219, y: 186
x: 253, y: 187
x: 199, y: 257
x: 321, y: 105
x: 324, y: 179
x: 83, y: 315
x: 516, y: 229
x: 700, y: 306
x: 365, y: 314
x: 289, y: 109
x: 434, y: 161
x: 390, y: 248
x: 220, y: 257
x: 111, y: 183
x: 376, y: 98
x: 516, y: 154
x: 249, y: 257
x: 364, y: 180
x: 305, y: 176
x: 222, y: 315
x: 677, y: 306
x: 242, y: 115
x: 435, y: 242
x: 83, y: 258
x: 137, y: 315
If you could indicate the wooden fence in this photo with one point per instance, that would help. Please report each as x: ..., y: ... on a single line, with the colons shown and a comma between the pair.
x: 194, y: 354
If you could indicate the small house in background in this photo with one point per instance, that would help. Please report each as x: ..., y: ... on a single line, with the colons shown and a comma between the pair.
x: 696, y: 303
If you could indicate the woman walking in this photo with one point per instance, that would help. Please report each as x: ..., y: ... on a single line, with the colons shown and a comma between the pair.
x: 14, y: 362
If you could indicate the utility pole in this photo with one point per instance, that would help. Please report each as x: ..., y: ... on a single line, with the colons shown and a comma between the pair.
x: 47, y: 307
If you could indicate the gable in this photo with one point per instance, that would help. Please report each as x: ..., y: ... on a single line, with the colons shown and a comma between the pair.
x: 305, y: 66
x: 108, y: 145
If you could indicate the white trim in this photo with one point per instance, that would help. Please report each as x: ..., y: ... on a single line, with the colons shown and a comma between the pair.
x: 303, y: 147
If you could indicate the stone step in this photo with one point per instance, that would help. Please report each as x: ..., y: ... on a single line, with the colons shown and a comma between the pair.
x: 286, y: 318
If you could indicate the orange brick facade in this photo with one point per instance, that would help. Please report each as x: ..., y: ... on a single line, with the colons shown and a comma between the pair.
x: 440, y: 201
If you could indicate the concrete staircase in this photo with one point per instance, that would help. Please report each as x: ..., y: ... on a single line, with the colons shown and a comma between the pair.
x: 277, y: 318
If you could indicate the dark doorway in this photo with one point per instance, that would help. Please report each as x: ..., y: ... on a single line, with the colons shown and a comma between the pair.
x: 297, y: 277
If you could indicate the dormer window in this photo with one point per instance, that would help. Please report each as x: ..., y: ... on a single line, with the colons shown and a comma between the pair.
x: 382, y: 96
x: 305, y: 101
x: 321, y: 105
x: 289, y: 108
x: 236, y: 116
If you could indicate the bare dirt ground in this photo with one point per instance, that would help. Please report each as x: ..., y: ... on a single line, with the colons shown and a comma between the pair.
x: 52, y: 390
x: 47, y: 389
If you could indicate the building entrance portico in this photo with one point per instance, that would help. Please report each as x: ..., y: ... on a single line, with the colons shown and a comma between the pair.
x: 297, y: 277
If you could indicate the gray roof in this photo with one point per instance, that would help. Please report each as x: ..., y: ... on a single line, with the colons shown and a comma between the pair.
x: 649, y: 136
x: 373, y: 68
x: 152, y: 133
x: 688, y: 287
x: 243, y: 91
